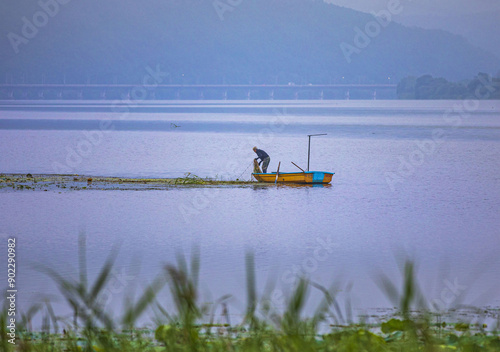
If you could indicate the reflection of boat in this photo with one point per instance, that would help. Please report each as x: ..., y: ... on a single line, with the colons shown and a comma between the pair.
x: 307, y: 177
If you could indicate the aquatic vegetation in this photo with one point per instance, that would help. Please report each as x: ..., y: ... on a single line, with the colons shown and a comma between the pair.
x: 19, y: 182
x: 189, y: 179
x: 189, y: 325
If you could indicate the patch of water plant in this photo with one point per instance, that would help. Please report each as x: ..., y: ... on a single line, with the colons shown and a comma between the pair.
x: 189, y: 179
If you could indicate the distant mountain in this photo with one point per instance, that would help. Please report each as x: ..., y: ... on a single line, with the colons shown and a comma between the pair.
x: 481, y: 29
x: 211, y: 41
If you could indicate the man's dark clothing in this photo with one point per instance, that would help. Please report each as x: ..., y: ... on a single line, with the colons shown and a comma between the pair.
x: 264, y: 157
x: 261, y: 155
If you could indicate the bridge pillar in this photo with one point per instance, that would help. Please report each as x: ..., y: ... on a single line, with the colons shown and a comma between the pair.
x: 202, y: 96
x: 322, y: 95
x: 11, y: 94
x: 177, y: 95
x: 347, y: 95
x: 374, y: 95
x: 249, y: 95
x: 271, y: 95
x: 80, y: 94
x: 59, y: 94
x: 296, y: 95
x: 40, y: 94
x: 103, y: 94
x: 224, y: 95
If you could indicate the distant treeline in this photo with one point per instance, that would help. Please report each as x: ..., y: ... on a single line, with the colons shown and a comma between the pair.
x: 483, y: 86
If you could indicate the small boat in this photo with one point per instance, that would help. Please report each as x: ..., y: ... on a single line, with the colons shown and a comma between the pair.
x: 306, y: 177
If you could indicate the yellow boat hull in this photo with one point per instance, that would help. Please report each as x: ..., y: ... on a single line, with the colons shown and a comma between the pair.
x: 309, y: 177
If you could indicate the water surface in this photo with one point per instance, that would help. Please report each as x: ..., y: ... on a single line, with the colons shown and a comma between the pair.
x: 397, y: 190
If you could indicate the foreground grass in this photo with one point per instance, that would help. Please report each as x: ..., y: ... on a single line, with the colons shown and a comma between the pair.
x: 262, y: 339
x: 263, y: 328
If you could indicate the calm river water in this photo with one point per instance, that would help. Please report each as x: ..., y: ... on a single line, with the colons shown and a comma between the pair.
x: 411, y: 180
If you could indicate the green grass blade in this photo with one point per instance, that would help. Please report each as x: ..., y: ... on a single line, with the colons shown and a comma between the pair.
x: 251, y: 288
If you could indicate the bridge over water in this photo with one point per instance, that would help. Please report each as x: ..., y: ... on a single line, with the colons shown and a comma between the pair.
x: 196, y: 92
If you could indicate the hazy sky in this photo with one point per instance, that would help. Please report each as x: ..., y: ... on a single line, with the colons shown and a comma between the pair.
x: 420, y: 7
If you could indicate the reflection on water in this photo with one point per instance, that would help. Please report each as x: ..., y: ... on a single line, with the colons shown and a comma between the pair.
x: 315, y: 185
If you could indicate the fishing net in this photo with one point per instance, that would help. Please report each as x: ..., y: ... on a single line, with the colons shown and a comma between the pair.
x: 256, y: 167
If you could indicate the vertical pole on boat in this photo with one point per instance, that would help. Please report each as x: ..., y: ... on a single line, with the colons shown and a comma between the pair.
x: 309, y: 152
x: 309, y: 148
x: 277, y: 173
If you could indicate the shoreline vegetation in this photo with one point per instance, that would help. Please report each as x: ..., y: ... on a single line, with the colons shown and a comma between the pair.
x: 187, y: 324
x: 481, y: 87
x: 60, y: 182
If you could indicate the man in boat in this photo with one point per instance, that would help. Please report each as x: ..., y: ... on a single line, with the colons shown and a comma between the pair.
x: 264, y: 158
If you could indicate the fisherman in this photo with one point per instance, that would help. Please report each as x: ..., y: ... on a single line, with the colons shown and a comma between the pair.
x: 264, y: 158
